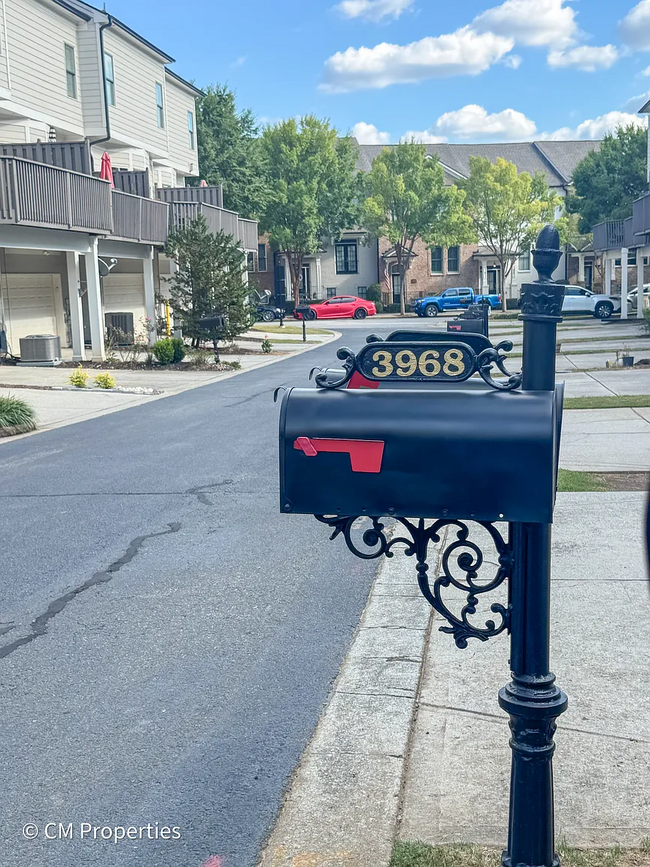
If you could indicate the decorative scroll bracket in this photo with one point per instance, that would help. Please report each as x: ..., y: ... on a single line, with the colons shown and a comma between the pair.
x: 462, y: 552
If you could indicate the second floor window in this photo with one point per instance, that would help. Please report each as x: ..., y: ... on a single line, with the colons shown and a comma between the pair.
x: 190, y: 129
x: 109, y: 75
x: 160, y: 108
x: 250, y: 261
x: 524, y: 261
x: 453, y: 260
x: 261, y: 257
x: 70, y: 72
x: 346, y: 257
x: 436, y: 260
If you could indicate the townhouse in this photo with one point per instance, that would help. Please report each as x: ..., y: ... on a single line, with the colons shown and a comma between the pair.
x: 349, y: 265
x: 76, y: 255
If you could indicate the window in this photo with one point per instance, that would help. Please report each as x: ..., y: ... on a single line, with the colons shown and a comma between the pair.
x: 631, y: 257
x: 436, y: 260
x: 331, y: 291
x: 346, y: 257
x: 250, y: 261
x: 361, y: 291
x: 524, y: 261
x: 70, y: 72
x: 190, y: 131
x: 160, y: 109
x: 453, y: 260
x: 261, y: 257
x: 109, y: 75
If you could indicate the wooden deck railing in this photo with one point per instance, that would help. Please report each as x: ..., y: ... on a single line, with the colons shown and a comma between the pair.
x: 248, y: 234
x: 138, y: 219
x: 218, y: 220
x: 36, y: 194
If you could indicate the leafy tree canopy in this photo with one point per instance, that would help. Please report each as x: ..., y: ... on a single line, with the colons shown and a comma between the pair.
x: 607, y: 181
x: 507, y: 208
x: 229, y: 149
x: 405, y: 199
x: 309, y: 174
x: 208, y: 281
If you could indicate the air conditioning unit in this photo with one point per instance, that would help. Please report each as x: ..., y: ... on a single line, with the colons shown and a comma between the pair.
x: 40, y: 349
x: 119, y: 327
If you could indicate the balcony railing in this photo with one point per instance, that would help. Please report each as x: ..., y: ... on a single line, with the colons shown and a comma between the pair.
x: 614, y: 234
x: 218, y: 219
x: 641, y: 216
x: 248, y: 234
x: 36, y: 194
x: 208, y: 195
x: 138, y: 219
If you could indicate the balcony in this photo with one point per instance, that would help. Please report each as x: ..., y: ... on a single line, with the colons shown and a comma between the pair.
x: 218, y: 219
x: 138, y: 219
x: 614, y: 235
x: 46, y: 196
x: 641, y: 217
x: 208, y: 195
x: 248, y: 234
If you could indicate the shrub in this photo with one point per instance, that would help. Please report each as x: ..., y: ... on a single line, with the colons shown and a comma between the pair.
x: 379, y: 307
x: 392, y: 308
x: 15, y: 413
x: 373, y: 293
x: 179, y: 349
x: 79, y: 377
x: 104, y: 380
x: 233, y: 365
x: 267, y: 346
x: 200, y: 357
x: 164, y: 350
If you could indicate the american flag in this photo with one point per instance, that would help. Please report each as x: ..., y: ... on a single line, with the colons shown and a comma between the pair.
x: 386, y: 277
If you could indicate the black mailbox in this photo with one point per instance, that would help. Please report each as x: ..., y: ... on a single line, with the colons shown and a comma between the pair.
x: 486, y: 455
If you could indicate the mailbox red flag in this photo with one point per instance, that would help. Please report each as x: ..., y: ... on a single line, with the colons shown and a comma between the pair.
x: 365, y: 455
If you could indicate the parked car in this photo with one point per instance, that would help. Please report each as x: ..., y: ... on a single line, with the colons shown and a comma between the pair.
x: 579, y: 300
x: 633, y: 293
x: 452, y: 299
x: 268, y: 312
x: 338, y: 307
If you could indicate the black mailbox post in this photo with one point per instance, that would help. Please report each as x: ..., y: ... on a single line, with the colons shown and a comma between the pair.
x: 346, y: 455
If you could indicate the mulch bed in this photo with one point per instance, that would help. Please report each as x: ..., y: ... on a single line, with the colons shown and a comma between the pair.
x: 624, y: 481
x: 14, y: 430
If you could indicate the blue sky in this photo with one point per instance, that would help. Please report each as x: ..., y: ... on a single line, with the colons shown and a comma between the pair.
x: 468, y: 70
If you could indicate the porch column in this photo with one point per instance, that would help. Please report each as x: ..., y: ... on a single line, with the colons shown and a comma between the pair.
x: 581, y: 269
x: 640, y: 276
x: 624, y: 283
x: 319, y: 278
x: 76, y: 310
x: 95, y: 306
x: 608, y: 275
x: 150, y: 298
x: 288, y: 288
x: 483, y: 272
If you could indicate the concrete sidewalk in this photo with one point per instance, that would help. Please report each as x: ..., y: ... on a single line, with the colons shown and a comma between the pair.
x: 413, y: 745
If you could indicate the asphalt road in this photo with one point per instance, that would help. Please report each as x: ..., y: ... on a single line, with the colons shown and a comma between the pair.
x: 167, y: 637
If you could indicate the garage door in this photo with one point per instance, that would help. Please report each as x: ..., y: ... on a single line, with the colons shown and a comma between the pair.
x: 33, y: 304
x: 124, y: 293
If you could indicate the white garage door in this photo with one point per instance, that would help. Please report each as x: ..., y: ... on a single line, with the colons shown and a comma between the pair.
x: 33, y: 304
x: 124, y: 293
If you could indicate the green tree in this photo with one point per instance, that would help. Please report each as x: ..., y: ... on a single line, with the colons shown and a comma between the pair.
x: 607, y: 181
x: 228, y: 149
x: 507, y: 208
x: 209, y: 280
x: 311, y: 188
x: 405, y: 200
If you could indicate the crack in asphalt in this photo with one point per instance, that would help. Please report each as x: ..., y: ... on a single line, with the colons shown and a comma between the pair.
x: 40, y: 624
x: 190, y: 492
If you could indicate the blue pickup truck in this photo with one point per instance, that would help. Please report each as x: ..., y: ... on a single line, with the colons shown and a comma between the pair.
x: 452, y: 299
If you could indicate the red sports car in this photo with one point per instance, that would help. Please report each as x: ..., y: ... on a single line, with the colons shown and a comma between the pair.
x: 338, y: 307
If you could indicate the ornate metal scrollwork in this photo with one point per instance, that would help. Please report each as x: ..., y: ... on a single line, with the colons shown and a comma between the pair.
x: 462, y: 554
x: 349, y: 360
x: 494, y: 355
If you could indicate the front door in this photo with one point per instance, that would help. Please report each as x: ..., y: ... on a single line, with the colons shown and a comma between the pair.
x: 305, y: 282
x: 589, y: 275
x: 494, y: 279
x: 397, y: 287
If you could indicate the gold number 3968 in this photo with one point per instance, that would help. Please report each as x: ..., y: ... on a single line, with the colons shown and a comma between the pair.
x: 454, y: 364
x: 384, y: 358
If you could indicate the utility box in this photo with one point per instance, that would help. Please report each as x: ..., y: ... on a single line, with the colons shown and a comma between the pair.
x: 472, y: 454
x: 40, y: 349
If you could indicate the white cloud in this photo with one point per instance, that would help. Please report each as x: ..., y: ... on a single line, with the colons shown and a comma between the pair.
x: 646, y: 71
x: 513, y: 61
x: 588, y: 58
x: 424, y: 136
x: 473, y: 121
x: 597, y: 127
x: 367, y: 133
x: 373, y: 10
x: 634, y: 103
x: 635, y: 27
x: 531, y: 22
x: 461, y: 53
x: 239, y: 62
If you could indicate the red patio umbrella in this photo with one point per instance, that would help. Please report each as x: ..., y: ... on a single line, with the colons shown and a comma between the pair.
x: 106, y: 171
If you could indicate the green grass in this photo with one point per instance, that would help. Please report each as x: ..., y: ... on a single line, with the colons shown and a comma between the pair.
x: 272, y: 328
x: 14, y: 412
x: 468, y: 855
x: 614, y: 401
x: 571, y: 481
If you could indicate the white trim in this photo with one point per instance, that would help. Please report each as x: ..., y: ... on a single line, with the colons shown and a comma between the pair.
x: 124, y: 249
x: 28, y: 238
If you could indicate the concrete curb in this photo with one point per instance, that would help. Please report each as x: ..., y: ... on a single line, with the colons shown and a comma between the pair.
x: 218, y: 377
x: 343, y: 803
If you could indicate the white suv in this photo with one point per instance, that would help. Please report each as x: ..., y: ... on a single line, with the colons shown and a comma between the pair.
x: 579, y: 300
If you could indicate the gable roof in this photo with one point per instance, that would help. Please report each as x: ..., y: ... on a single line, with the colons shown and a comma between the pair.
x: 555, y: 159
